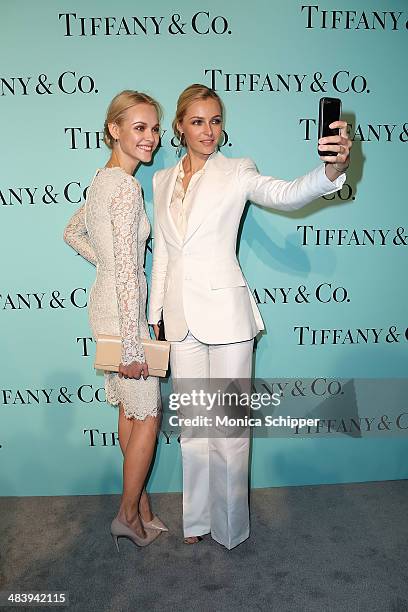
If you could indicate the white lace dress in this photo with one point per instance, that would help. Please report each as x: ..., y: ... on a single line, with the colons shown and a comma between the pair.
x: 111, y: 230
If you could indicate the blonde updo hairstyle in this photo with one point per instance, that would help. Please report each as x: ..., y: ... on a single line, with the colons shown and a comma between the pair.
x: 191, y: 94
x: 119, y: 105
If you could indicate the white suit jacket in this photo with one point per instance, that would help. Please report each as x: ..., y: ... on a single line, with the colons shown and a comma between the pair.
x: 197, y: 282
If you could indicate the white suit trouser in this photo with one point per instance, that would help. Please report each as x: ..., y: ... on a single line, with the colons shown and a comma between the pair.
x: 215, y: 469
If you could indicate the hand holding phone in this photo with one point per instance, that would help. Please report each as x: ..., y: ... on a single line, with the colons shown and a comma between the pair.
x: 336, y: 145
x: 329, y: 111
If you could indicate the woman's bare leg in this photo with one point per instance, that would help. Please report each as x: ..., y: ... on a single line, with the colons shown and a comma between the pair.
x: 124, y: 431
x: 137, y: 458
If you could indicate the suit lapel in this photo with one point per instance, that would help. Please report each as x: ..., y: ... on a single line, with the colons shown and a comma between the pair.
x: 164, y: 198
x: 208, y: 193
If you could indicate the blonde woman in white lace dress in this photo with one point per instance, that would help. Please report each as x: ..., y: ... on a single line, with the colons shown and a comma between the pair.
x: 111, y: 230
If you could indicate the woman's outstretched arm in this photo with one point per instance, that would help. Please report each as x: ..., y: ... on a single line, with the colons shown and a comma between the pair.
x: 291, y: 195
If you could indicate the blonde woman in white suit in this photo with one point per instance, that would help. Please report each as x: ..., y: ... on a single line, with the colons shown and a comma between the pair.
x: 198, y: 287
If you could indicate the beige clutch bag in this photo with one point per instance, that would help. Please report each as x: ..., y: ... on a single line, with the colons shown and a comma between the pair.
x: 109, y: 352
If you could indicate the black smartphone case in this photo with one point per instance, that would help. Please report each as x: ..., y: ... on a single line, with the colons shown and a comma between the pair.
x: 329, y: 111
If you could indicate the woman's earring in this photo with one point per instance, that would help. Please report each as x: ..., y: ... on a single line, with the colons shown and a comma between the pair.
x: 180, y: 145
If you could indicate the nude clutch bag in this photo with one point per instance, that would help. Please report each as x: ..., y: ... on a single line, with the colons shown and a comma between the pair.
x: 109, y: 353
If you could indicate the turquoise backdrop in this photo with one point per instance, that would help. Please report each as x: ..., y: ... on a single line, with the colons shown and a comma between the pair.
x: 61, y: 64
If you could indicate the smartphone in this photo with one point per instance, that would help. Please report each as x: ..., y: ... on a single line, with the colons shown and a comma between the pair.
x: 329, y: 111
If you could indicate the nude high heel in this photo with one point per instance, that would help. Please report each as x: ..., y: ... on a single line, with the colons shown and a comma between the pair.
x: 155, y: 523
x: 120, y: 530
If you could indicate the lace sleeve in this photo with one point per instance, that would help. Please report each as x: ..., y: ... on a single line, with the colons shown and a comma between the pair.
x: 125, y: 209
x: 76, y: 236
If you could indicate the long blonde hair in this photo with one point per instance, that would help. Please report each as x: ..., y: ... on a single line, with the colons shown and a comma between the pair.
x: 119, y: 105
